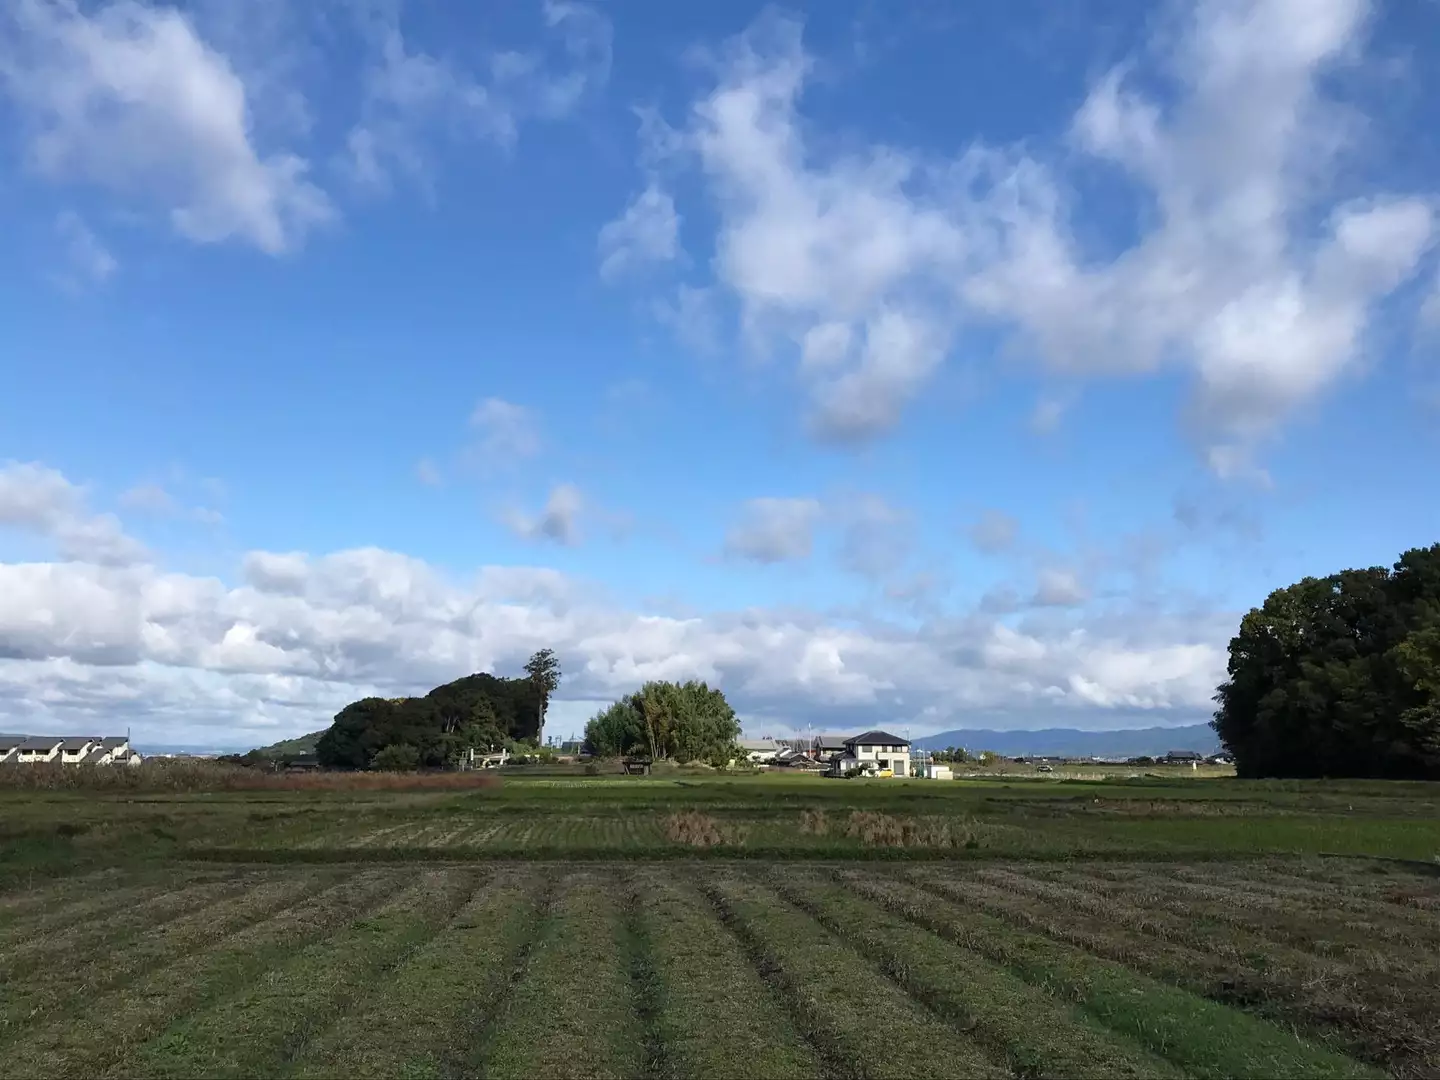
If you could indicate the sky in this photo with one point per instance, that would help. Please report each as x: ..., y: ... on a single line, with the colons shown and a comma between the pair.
x: 910, y: 365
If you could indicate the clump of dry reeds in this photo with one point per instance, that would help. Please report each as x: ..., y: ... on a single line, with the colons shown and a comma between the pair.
x: 169, y: 774
x: 814, y: 823
x: 700, y: 830
x: 890, y: 830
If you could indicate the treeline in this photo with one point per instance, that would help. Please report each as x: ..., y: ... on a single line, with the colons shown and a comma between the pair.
x: 482, y: 712
x: 1339, y: 676
x: 682, y: 722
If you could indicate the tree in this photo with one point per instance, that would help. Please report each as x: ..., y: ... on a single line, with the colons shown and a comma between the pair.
x: 1339, y: 676
x: 397, y: 757
x: 543, y: 671
x: 685, y: 721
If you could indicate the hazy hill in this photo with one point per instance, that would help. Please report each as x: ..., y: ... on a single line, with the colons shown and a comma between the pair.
x: 1069, y: 742
x: 302, y: 744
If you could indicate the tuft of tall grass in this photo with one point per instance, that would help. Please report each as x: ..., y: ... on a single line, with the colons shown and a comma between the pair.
x: 701, y: 830
x: 890, y: 830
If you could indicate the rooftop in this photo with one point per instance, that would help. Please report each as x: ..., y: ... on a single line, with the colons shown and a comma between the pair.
x: 877, y: 738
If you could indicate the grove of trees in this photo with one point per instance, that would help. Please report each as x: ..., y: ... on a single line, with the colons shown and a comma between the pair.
x: 680, y: 721
x: 1339, y: 676
x: 481, y: 711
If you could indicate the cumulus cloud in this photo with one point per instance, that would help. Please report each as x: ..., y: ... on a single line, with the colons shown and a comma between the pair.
x: 867, y: 263
x: 148, y: 498
x: 42, y: 501
x: 648, y: 231
x: 558, y: 520
x: 297, y: 635
x: 129, y: 98
x: 772, y: 530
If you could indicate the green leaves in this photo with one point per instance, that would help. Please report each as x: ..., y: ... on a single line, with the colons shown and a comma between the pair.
x: 685, y: 721
x: 1339, y: 676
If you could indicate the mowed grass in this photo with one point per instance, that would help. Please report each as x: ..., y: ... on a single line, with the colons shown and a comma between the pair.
x: 686, y: 926
x: 710, y: 968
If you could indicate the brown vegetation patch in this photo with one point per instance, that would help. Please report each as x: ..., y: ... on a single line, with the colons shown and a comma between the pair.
x: 890, y: 830
x: 700, y: 830
x: 202, y: 775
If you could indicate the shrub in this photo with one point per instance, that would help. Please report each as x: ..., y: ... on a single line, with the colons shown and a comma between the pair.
x: 397, y: 757
x: 814, y: 823
x: 889, y: 830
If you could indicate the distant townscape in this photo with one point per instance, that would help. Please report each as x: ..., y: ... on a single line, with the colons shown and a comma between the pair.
x: 67, y: 750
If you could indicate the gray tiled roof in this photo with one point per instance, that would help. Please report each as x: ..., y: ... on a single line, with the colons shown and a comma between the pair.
x: 41, y: 742
x: 76, y: 743
x: 877, y: 738
x: 10, y: 742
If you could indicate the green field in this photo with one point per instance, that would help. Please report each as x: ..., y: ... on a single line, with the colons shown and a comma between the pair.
x: 701, y: 925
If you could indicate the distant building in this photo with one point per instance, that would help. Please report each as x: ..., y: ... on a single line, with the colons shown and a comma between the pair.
x: 877, y: 753
x: 67, y: 750
x: 759, y: 751
x: 1184, y: 757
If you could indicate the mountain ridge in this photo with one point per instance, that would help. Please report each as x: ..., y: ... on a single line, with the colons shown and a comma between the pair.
x: 1072, y: 742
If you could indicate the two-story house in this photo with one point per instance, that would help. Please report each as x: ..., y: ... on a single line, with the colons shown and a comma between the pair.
x: 877, y: 753
x: 37, y: 749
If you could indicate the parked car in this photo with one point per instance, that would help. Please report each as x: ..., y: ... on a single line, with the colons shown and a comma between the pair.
x: 1043, y: 768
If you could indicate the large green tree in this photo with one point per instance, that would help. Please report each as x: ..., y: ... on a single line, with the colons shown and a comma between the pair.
x: 684, y: 721
x: 477, y: 711
x: 1339, y: 676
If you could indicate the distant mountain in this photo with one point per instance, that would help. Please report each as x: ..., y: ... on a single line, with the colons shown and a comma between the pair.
x: 1069, y: 742
x: 301, y: 744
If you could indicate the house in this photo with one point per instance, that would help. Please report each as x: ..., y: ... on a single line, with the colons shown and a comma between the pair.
x: 817, y: 747
x: 876, y: 753
x: 73, y: 750
x: 9, y: 744
x: 1183, y: 757
x: 759, y: 751
x: 38, y: 749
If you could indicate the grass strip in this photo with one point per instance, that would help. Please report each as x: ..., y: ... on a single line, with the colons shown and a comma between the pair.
x: 97, y: 1038
x: 19, y: 904
x: 1368, y: 1012
x: 34, y: 930
x: 421, y: 1022
x: 26, y: 1003
x: 106, y: 933
x: 715, y: 1015
x: 1036, y: 1034
x: 867, y: 1026
x: 262, y: 1029
x: 1202, y: 1037
x: 571, y: 1011
x: 639, y: 953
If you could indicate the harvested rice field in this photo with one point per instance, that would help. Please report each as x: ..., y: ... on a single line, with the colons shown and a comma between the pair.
x: 1277, y: 966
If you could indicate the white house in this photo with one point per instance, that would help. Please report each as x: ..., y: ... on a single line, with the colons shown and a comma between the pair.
x: 877, y: 753
x: 9, y: 744
x: 37, y: 749
x: 74, y: 750
x: 759, y: 751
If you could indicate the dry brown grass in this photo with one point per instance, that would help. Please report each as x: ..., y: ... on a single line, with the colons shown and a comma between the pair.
x: 890, y: 830
x: 701, y: 830
x: 814, y: 823
x: 180, y: 775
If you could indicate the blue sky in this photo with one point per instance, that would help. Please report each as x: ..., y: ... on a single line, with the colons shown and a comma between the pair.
x: 900, y: 364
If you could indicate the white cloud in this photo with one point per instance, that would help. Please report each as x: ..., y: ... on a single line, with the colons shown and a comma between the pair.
x: 1059, y: 588
x: 876, y: 538
x: 148, y: 498
x: 506, y: 431
x: 772, y: 530
x: 995, y: 532
x: 559, y: 520
x: 648, y: 231
x: 129, y: 98
x: 868, y: 263
x: 1046, y: 416
x: 41, y: 500
x: 414, y: 99
x: 189, y: 658
x: 89, y: 262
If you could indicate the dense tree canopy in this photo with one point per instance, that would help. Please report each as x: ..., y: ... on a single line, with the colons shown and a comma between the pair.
x: 687, y: 722
x: 477, y: 711
x: 1339, y: 676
